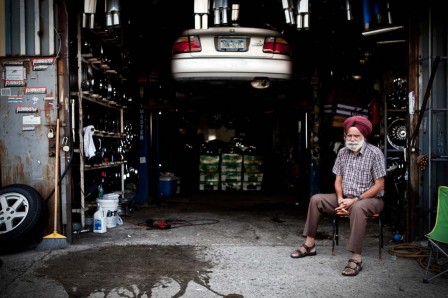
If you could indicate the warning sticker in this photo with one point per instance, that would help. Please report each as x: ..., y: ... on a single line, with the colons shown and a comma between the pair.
x: 35, y: 90
x: 31, y: 120
x: 28, y: 110
x: 14, y: 83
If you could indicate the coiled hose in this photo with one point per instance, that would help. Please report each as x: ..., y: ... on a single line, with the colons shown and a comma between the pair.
x: 420, y: 253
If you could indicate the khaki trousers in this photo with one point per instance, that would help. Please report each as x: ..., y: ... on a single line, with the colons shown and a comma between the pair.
x: 321, y: 204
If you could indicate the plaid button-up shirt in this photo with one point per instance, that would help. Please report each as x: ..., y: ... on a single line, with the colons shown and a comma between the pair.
x: 359, y: 172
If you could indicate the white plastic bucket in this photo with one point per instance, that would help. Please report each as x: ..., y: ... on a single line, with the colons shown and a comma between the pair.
x: 109, y: 203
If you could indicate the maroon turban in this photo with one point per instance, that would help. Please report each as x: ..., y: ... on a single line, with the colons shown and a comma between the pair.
x: 360, y: 122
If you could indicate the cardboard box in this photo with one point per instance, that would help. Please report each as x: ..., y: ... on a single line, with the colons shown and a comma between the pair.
x: 209, y: 168
x: 230, y: 186
x: 211, y: 185
x: 253, y: 177
x: 231, y: 177
x: 209, y: 159
x: 253, y: 159
x: 231, y: 167
x: 253, y: 168
x: 208, y: 177
x: 231, y: 158
x: 255, y: 186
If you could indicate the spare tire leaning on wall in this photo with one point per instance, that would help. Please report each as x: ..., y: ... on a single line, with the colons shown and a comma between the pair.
x: 23, y: 217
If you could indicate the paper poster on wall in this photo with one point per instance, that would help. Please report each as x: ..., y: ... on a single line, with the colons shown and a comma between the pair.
x: 31, y: 120
x: 14, y: 73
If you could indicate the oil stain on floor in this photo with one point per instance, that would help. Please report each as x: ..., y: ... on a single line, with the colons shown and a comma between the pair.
x: 132, y: 271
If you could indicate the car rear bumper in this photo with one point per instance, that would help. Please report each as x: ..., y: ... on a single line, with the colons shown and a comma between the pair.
x: 208, y: 69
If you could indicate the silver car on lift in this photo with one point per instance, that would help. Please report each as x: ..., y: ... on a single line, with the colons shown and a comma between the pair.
x: 229, y: 52
x: 259, y: 56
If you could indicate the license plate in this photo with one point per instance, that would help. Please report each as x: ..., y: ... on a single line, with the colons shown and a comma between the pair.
x: 232, y: 44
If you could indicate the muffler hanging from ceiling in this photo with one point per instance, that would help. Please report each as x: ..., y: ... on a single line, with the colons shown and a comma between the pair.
x: 235, y: 13
x: 112, y: 10
x: 220, y: 10
x: 348, y: 8
x: 201, y: 10
x: 303, y: 15
x: 389, y: 15
x: 88, y: 16
x: 288, y: 8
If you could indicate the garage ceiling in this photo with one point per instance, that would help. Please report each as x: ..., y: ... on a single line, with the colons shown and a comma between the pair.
x: 332, y: 45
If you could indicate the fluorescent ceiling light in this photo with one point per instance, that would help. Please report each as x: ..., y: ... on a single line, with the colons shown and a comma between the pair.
x: 381, y: 30
x: 391, y: 41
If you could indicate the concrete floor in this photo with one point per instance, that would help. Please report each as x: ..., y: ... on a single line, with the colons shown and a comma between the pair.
x: 219, y: 245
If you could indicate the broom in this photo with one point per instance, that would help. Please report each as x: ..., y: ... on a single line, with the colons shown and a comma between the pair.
x: 54, y: 240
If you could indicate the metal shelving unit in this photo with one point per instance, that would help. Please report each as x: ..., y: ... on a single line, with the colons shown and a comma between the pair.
x: 104, y: 165
x: 102, y: 105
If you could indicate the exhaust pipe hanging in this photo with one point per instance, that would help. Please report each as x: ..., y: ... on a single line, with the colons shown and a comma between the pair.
x: 201, y: 11
x: 235, y: 13
x: 288, y: 8
x: 88, y: 16
x: 303, y: 21
x: 112, y: 10
x: 221, y: 9
x: 348, y: 8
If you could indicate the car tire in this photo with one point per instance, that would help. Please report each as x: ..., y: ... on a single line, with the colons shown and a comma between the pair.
x: 23, y: 217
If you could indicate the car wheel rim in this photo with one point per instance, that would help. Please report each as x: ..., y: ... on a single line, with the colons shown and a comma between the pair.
x: 14, y: 209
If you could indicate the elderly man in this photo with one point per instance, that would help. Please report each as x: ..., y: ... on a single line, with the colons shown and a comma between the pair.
x: 359, y: 186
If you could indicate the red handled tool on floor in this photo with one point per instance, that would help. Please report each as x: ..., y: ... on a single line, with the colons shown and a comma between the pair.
x: 161, y: 224
x: 175, y: 223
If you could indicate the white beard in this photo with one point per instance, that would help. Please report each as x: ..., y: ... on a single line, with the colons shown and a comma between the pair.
x: 354, y: 146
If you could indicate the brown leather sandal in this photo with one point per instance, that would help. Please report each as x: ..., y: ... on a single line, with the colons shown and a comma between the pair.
x: 352, y: 271
x: 299, y: 254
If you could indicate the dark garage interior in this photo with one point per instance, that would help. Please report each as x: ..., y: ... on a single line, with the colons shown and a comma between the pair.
x: 150, y: 130
x: 288, y: 125
x: 172, y: 147
x: 332, y: 61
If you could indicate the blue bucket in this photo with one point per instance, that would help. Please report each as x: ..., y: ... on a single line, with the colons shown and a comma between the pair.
x: 167, y: 186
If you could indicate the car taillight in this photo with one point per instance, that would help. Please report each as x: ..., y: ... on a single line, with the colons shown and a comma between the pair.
x: 276, y: 45
x: 187, y: 44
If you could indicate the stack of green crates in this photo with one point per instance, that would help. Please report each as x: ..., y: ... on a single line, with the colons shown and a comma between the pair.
x: 231, y: 167
x: 209, y: 172
x: 252, y: 172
